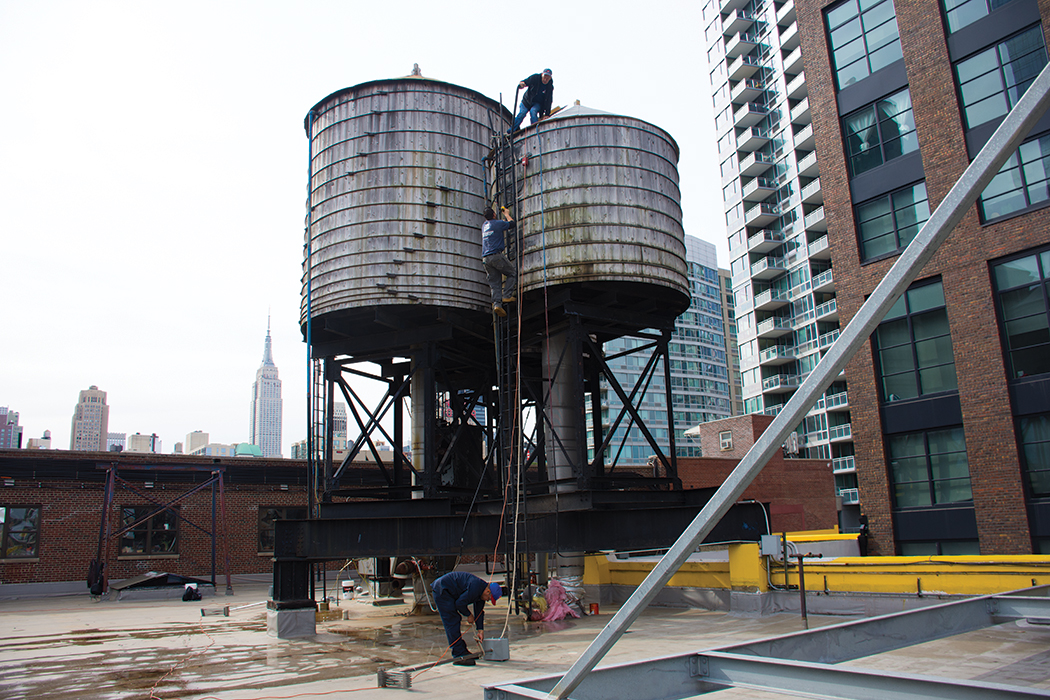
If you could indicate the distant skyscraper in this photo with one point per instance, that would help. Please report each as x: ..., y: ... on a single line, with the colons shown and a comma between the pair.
x: 10, y: 430
x: 90, y: 421
x: 144, y: 443
x: 265, y: 431
x: 115, y: 442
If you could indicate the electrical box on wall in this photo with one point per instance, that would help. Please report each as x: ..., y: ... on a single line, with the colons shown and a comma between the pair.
x: 771, y: 546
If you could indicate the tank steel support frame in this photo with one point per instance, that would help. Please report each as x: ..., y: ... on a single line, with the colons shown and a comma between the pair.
x: 1003, y: 143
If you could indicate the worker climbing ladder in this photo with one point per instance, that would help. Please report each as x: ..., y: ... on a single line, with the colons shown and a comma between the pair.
x: 506, y: 191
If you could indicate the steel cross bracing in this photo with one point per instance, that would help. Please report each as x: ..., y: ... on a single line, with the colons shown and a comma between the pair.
x: 804, y: 663
x: 1003, y: 143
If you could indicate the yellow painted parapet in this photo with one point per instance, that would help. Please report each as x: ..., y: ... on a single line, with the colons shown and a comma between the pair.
x: 745, y: 570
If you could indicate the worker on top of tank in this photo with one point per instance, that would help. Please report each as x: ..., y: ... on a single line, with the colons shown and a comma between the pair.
x: 537, y: 100
x: 453, y: 592
x: 493, y: 244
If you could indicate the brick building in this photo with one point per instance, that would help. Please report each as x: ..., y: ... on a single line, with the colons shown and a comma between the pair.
x: 800, y: 493
x: 51, y: 506
x: 950, y: 401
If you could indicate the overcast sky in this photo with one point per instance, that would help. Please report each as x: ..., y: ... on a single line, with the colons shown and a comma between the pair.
x: 153, y: 175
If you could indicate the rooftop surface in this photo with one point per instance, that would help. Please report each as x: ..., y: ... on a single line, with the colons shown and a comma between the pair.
x: 69, y: 648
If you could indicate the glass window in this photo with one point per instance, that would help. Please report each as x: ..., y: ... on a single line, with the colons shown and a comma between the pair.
x: 992, y: 82
x: 929, y: 468
x: 149, y: 534
x: 20, y: 529
x: 880, y: 132
x: 889, y: 223
x: 267, y: 517
x: 863, y: 38
x: 1035, y: 450
x: 1021, y: 182
x: 961, y: 13
x: 913, y: 345
x: 1023, y: 287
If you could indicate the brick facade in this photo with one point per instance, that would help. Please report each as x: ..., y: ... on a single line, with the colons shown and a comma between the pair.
x: 962, y: 264
x: 800, y: 492
x: 70, y: 492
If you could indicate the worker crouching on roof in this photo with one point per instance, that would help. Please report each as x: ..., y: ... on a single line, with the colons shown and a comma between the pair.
x: 493, y: 244
x: 453, y: 592
x: 538, y: 98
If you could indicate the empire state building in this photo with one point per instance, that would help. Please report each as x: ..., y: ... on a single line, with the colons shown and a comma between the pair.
x: 265, y: 428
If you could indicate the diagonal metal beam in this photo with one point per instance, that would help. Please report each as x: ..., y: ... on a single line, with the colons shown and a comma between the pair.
x: 1006, y: 139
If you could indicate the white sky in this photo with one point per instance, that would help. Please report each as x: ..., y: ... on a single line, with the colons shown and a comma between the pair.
x: 153, y: 175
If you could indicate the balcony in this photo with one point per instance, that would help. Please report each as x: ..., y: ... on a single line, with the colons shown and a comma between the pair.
x: 731, y: 5
x: 828, y: 339
x: 740, y: 45
x: 771, y: 299
x: 773, y: 327
x: 786, y: 14
x: 765, y: 241
x: 738, y: 21
x: 850, y: 497
x: 761, y: 214
x: 807, y: 167
x: 824, y: 282
x: 758, y: 189
x: 790, y: 39
x: 772, y: 410
x: 815, y: 221
x: 793, y: 62
x: 768, y: 267
x: 804, y: 139
x: 743, y: 67
x: 781, y: 383
x: 837, y: 402
x: 752, y: 139
x: 796, y: 89
x: 811, y: 193
x: 755, y: 164
x: 777, y: 355
x: 828, y: 311
x: 800, y: 113
x: 819, y: 249
x: 749, y: 115
x: 843, y: 465
x: 746, y: 90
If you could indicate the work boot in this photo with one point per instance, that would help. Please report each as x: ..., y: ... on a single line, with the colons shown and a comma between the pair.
x: 464, y: 661
x: 499, y: 310
x: 509, y: 299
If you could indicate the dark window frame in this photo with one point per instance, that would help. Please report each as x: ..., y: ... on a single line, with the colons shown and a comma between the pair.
x: 931, y: 481
x: 1011, y: 93
x: 13, y: 542
x: 159, y: 535
x: 1039, y: 474
x: 1043, y: 269
x: 1021, y: 166
x: 884, y: 137
x: 916, y: 369
x: 894, y: 214
x: 988, y: 6
x: 842, y: 22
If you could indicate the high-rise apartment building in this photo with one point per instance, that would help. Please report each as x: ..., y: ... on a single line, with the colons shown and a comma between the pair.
x: 195, y: 440
x: 950, y: 398
x: 700, y: 375
x: 10, y: 430
x: 781, y: 265
x: 90, y: 421
x: 266, y: 407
